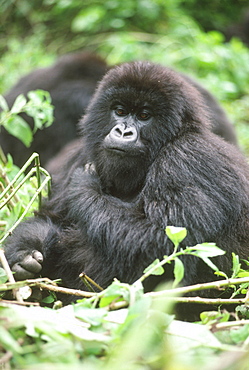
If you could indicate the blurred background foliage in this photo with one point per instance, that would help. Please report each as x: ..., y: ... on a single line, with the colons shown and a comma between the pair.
x: 191, y: 36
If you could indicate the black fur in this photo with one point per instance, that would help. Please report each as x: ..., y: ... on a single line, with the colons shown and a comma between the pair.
x: 108, y: 212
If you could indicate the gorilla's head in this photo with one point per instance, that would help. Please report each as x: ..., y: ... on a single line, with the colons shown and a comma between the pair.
x: 137, y: 109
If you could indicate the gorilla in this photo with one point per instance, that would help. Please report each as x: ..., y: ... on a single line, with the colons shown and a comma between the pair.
x: 148, y: 159
x: 71, y: 82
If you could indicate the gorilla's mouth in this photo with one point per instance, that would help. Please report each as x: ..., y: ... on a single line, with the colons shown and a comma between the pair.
x: 116, y: 150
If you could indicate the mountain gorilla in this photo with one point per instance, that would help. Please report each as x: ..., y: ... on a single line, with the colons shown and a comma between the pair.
x: 71, y: 82
x: 148, y: 160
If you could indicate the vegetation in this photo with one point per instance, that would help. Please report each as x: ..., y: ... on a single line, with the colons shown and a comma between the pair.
x: 120, y: 327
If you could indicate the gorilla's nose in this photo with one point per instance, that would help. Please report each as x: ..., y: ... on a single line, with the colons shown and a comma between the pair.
x: 122, y: 133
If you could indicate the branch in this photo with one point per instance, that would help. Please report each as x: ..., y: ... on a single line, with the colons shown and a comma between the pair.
x: 211, y: 301
x: 76, y: 292
x: 47, y: 284
x: 219, y: 285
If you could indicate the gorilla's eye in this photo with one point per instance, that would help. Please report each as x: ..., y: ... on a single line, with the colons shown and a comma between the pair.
x: 120, y: 111
x: 144, y: 115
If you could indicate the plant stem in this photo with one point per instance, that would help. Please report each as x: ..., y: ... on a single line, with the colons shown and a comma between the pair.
x: 203, y: 286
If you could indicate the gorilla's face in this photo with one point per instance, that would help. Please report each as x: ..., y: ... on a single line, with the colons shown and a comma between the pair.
x: 124, y: 138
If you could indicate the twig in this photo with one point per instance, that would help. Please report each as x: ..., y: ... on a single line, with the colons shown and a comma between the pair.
x: 47, y: 284
x: 219, y: 284
x: 87, y: 279
x: 211, y: 301
x: 11, y: 279
x: 7, y: 302
x: 230, y: 324
x: 76, y: 292
x: 19, y: 284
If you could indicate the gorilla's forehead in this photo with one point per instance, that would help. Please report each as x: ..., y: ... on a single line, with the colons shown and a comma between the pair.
x: 133, y: 96
x: 135, y: 83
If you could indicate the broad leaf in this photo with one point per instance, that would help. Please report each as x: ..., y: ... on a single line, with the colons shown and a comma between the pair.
x: 178, y: 271
x: 176, y: 234
x: 18, y: 104
x: 19, y: 128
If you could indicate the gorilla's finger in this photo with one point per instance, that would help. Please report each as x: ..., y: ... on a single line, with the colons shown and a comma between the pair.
x: 20, y: 273
x: 31, y: 265
x: 37, y: 256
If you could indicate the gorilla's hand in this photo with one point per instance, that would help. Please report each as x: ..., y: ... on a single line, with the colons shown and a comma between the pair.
x: 28, y: 265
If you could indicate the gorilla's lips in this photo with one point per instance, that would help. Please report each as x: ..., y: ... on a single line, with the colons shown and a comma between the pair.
x: 117, y: 150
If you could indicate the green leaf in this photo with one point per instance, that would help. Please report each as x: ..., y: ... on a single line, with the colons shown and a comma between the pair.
x: 49, y: 299
x: 222, y: 274
x: 19, y: 128
x: 153, y: 269
x: 92, y: 316
x: 236, y: 265
x: 239, y: 335
x: 3, y: 104
x: 8, y: 341
x: 210, y: 317
x: 210, y: 263
x: 40, y: 109
x: 176, y: 234
x: 19, y: 103
x: 178, y: 271
x: 121, y: 291
x: 206, y: 250
x: 3, y: 276
x: 243, y: 273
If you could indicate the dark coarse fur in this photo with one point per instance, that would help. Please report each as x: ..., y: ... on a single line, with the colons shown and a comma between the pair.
x: 71, y: 82
x: 107, y: 214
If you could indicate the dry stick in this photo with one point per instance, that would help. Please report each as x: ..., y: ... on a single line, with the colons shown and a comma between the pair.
x: 211, y: 301
x: 26, y: 303
x: 219, y: 284
x: 11, y: 279
x: 47, y: 284
x: 84, y: 277
x: 230, y: 324
x: 77, y: 292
